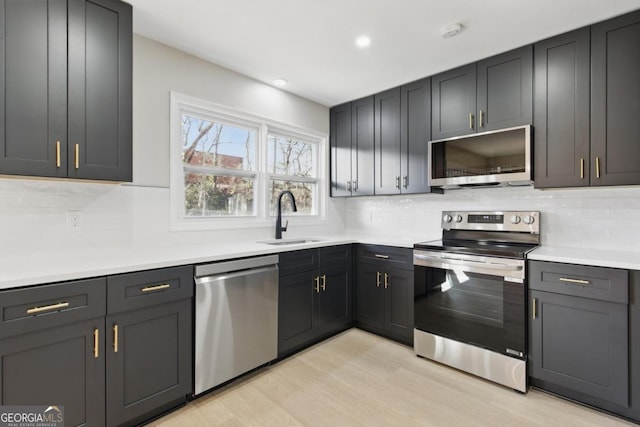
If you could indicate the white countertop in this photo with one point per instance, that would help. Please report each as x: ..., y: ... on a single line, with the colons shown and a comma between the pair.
x: 584, y: 256
x: 72, y: 263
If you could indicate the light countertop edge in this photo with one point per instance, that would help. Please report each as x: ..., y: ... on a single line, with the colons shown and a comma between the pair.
x: 587, y: 256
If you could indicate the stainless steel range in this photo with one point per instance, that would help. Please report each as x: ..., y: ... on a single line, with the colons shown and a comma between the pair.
x: 470, y: 294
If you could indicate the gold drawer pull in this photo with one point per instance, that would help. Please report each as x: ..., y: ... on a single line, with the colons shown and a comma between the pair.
x: 578, y: 281
x: 115, y: 338
x: 96, y: 342
x: 52, y: 307
x: 382, y: 256
x: 156, y: 287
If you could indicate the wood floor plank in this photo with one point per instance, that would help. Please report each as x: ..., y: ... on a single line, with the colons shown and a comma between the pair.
x: 359, y: 379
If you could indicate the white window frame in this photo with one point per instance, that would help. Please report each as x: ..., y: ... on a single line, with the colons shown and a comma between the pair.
x: 179, y: 104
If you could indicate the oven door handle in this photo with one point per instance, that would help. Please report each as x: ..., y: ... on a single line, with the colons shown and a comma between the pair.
x: 469, y: 265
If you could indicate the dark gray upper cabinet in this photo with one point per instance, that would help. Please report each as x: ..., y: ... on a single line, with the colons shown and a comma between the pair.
x: 33, y: 87
x: 341, y: 154
x: 100, y: 90
x: 615, y: 90
x: 351, y: 140
x: 561, y: 110
x: 402, y: 133
x: 387, y: 142
x: 66, y: 84
x: 453, y: 102
x: 415, y: 133
x: 492, y: 94
x: 505, y: 94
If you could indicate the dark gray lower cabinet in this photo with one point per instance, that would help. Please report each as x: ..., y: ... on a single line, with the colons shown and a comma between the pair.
x: 315, y: 296
x: 58, y: 348
x: 581, y: 335
x: 384, y: 292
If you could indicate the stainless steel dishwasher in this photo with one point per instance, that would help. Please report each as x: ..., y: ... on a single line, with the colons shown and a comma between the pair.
x: 236, y: 319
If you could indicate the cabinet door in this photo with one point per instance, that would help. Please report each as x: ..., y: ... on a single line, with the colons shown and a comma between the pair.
x: 57, y: 366
x: 100, y: 90
x: 340, y: 140
x: 334, y: 299
x: 505, y: 97
x: 453, y: 102
x: 296, y: 311
x: 561, y: 101
x: 33, y: 87
x: 362, y: 146
x: 415, y: 133
x: 369, y: 296
x: 387, y: 142
x: 580, y: 344
x: 398, y: 300
x: 615, y: 90
x: 148, y: 360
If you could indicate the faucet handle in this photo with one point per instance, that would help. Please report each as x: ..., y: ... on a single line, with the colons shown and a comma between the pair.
x: 286, y: 224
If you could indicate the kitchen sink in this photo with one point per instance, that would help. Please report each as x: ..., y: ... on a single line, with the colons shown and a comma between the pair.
x: 284, y: 242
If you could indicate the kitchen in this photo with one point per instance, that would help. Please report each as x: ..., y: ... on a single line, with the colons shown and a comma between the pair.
x: 125, y: 228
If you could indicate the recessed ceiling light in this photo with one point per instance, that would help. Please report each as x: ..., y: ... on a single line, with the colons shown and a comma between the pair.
x: 451, y: 30
x: 280, y: 82
x: 363, y: 41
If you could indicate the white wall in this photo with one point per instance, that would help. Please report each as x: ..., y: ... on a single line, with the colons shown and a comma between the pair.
x: 605, y: 218
x: 34, y: 212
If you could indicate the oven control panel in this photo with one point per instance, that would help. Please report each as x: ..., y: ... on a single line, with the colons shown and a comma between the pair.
x: 518, y: 221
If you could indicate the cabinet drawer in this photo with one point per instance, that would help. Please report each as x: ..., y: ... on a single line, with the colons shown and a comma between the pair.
x: 298, y: 261
x: 386, y: 255
x: 146, y: 288
x: 41, y: 307
x: 334, y: 255
x: 606, y: 284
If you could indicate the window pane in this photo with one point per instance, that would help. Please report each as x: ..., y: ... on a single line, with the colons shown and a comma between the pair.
x: 211, y: 143
x: 303, y: 192
x: 207, y: 195
x: 289, y: 156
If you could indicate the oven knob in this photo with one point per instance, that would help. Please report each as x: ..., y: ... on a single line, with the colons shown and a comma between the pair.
x: 515, y: 219
x: 528, y: 219
x: 447, y: 218
x: 458, y: 218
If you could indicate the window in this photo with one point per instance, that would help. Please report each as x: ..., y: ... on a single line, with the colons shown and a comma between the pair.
x: 228, y: 168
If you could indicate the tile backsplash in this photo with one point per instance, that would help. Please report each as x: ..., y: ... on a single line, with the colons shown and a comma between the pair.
x: 603, y: 218
x: 34, y: 216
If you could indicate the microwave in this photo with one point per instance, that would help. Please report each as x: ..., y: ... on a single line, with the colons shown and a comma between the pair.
x: 500, y: 157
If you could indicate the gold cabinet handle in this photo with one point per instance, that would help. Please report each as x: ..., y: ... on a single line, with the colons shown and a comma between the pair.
x: 381, y: 256
x: 57, y: 154
x: 405, y: 182
x: 324, y: 282
x: 533, y: 309
x: 581, y: 167
x: 397, y: 182
x: 470, y: 120
x: 577, y: 281
x: 52, y: 307
x: 386, y: 280
x: 115, y: 338
x: 481, y: 118
x: 597, y: 167
x: 96, y: 342
x: 77, y: 152
x: 378, y: 274
x: 317, y: 284
x: 156, y: 287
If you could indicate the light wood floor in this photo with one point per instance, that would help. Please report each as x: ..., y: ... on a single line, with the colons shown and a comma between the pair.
x: 359, y: 379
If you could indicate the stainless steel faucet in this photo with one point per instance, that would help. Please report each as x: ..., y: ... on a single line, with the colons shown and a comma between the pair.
x: 279, y: 227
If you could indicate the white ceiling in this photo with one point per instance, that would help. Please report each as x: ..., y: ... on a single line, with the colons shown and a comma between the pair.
x: 310, y: 43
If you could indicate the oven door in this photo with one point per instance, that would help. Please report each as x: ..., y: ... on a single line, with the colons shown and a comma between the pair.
x: 472, y: 299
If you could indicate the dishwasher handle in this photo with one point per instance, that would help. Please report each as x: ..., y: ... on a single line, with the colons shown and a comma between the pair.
x: 232, y: 275
x: 235, y: 265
